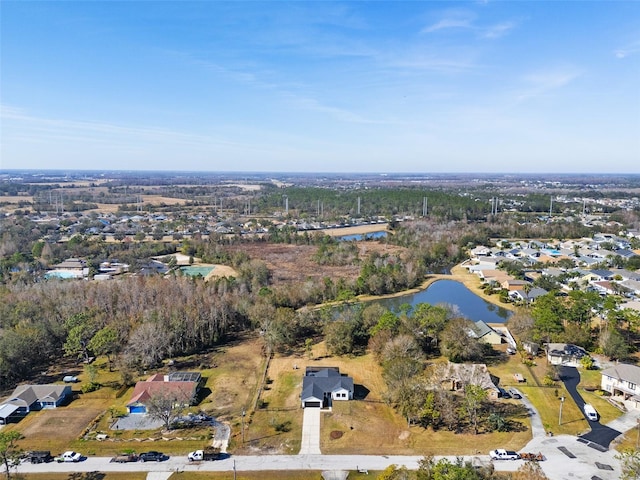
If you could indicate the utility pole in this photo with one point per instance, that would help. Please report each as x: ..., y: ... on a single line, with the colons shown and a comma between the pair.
x: 243, y: 414
x: 561, y: 403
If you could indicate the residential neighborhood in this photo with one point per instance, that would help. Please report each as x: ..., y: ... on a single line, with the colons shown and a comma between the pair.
x: 288, y: 334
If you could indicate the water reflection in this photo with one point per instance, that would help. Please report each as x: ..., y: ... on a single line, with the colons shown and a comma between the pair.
x: 454, y: 293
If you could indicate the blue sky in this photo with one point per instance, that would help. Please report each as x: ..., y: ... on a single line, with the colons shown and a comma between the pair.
x: 321, y: 86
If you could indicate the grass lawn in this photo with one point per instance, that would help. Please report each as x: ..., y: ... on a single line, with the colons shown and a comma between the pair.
x: 547, y: 399
x: 84, y: 476
x: 360, y: 422
x: 265, y: 475
x: 231, y: 375
x: 628, y: 441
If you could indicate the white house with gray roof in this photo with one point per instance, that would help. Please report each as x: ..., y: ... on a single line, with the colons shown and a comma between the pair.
x: 26, y: 398
x: 622, y: 381
x: 322, y: 385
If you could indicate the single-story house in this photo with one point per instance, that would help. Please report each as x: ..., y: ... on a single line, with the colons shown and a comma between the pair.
x: 485, y: 333
x: 514, y: 284
x: 182, y: 386
x: 622, y: 381
x: 26, y: 398
x: 530, y: 297
x: 480, y: 251
x: 457, y: 375
x: 564, y: 354
x: 322, y: 385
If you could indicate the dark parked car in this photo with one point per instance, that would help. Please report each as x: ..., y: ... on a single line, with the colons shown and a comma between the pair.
x: 515, y: 393
x: 504, y: 393
x: 152, y: 457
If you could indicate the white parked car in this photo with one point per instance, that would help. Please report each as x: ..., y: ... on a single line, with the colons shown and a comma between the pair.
x: 502, y: 454
x: 590, y: 412
x: 69, y: 456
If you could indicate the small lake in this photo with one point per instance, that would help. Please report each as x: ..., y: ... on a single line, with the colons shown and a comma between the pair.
x: 455, y: 293
x: 362, y: 236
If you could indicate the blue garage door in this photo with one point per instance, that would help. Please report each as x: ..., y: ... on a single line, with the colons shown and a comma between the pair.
x: 137, y: 409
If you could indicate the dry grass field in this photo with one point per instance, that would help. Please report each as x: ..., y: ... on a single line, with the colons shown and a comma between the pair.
x: 264, y: 475
x: 292, y: 264
x: 367, y: 425
x: 85, y: 476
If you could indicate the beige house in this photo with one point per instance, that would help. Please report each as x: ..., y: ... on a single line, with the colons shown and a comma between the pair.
x: 485, y: 333
x: 456, y: 376
x: 622, y: 381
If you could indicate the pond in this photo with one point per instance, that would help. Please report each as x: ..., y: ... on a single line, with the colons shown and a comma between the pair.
x: 455, y: 293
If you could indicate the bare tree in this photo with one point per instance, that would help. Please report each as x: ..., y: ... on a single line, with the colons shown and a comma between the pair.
x: 168, y: 406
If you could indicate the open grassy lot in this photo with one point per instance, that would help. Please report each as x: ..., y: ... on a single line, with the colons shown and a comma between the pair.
x: 266, y: 475
x: 84, y: 476
x: 231, y: 376
x: 366, y: 425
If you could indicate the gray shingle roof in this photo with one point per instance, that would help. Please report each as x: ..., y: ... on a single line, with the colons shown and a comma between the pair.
x: 324, y: 381
x: 624, y: 371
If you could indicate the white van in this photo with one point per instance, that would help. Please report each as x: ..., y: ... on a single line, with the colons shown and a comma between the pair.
x: 590, y: 412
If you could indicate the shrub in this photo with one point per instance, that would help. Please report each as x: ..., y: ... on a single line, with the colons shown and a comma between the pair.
x: 89, y: 387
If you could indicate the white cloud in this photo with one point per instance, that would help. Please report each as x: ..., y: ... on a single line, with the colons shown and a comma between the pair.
x: 541, y: 83
x: 458, y: 19
x: 499, y: 30
x: 447, y: 23
x: 26, y: 126
x: 628, y: 50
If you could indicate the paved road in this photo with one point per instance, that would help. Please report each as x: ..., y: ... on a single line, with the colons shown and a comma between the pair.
x: 599, y: 434
x: 557, y: 465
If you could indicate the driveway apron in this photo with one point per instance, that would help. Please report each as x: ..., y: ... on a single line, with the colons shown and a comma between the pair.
x: 310, y: 444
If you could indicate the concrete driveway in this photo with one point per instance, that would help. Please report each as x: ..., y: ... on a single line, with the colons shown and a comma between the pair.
x: 310, y: 432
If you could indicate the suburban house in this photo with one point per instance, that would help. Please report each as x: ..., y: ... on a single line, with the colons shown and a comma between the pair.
x: 456, y: 376
x: 622, y: 381
x: 26, y: 398
x: 530, y: 296
x: 564, y: 354
x: 181, y: 386
x: 485, y: 333
x: 322, y: 385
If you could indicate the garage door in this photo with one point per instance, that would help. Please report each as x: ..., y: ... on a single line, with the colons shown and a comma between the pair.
x: 137, y: 409
x: 312, y: 404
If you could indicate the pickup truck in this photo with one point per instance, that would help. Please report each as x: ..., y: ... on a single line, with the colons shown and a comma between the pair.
x: 210, y: 453
x: 502, y: 454
x: 69, y: 456
x: 125, y: 458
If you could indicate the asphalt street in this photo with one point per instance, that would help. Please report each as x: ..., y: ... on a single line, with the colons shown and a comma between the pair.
x: 565, y: 458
